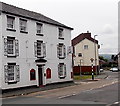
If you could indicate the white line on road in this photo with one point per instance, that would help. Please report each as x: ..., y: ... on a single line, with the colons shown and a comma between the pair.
x: 61, y: 97
x: 116, y: 103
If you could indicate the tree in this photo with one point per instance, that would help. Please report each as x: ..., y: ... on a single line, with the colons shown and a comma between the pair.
x: 102, y: 58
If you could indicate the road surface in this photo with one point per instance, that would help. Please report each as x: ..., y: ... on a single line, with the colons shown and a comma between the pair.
x: 103, y: 92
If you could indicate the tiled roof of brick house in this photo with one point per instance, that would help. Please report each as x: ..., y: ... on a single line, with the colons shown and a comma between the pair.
x: 81, y: 37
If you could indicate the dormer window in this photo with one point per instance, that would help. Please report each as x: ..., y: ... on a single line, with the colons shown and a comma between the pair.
x: 61, y: 35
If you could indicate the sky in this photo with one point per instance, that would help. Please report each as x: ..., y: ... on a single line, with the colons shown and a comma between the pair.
x: 100, y: 17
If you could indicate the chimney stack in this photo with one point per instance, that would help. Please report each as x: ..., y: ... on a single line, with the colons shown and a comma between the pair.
x: 88, y: 32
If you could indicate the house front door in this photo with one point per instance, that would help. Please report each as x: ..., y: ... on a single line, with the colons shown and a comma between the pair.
x: 40, y: 75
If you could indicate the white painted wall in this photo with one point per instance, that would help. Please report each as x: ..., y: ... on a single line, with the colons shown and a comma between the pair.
x: 0, y: 50
x: 119, y: 34
x: 26, y: 58
x: 86, y: 54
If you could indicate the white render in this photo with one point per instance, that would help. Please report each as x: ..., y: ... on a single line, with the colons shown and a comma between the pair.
x: 0, y: 51
x: 26, y: 58
x: 119, y: 35
x: 86, y: 54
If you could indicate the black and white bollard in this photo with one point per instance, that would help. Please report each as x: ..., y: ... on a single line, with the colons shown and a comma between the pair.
x: 92, y: 73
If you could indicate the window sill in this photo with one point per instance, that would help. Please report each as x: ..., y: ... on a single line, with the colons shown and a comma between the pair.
x: 12, y: 82
x: 24, y: 32
x: 8, y: 29
x: 61, y: 57
x: 11, y: 56
x: 63, y: 77
x: 40, y: 56
x: 39, y: 34
x: 61, y: 38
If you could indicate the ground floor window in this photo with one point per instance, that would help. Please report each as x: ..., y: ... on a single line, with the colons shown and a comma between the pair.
x: 48, y: 73
x: 32, y: 74
x: 11, y: 73
x: 62, y: 70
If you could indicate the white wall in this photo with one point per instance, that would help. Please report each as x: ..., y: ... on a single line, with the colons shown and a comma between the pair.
x: 26, y: 58
x: 119, y: 34
x: 0, y: 50
x: 86, y: 54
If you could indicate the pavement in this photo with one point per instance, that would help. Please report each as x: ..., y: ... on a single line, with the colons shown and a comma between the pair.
x: 33, y: 89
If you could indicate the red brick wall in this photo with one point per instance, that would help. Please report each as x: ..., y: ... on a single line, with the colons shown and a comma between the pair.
x: 76, y: 69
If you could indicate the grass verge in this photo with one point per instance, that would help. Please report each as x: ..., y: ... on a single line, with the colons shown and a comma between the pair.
x: 82, y: 77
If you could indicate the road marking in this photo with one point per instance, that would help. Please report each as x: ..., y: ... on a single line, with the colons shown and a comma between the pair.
x: 61, y: 97
x: 73, y: 94
x: 116, y: 103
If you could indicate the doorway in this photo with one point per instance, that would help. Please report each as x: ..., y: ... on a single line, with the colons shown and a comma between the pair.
x: 40, y: 75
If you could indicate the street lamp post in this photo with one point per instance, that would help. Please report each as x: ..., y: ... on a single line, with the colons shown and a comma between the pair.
x: 95, y: 54
x: 80, y: 66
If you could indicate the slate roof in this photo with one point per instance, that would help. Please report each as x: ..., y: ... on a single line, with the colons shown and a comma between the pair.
x: 10, y: 9
x: 81, y: 37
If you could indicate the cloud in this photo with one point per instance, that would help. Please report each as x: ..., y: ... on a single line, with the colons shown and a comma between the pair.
x: 107, y: 29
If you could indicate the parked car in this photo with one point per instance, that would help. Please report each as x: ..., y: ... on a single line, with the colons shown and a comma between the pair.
x: 114, y: 69
x: 101, y: 70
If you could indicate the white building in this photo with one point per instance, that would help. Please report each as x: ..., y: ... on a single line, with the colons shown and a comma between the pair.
x: 33, y: 49
x: 85, y: 49
x: 119, y: 35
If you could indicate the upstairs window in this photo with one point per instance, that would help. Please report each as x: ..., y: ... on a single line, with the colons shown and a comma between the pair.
x: 40, y: 49
x: 85, y: 47
x: 39, y: 28
x: 61, y: 36
x: 11, y: 72
x: 61, y: 51
x: 79, y: 54
x: 61, y: 70
x: 11, y: 46
x: 23, y: 25
x: 10, y: 22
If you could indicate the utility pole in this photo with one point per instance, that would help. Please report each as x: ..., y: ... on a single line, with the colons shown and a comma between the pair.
x: 80, y: 66
x: 95, y: 54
